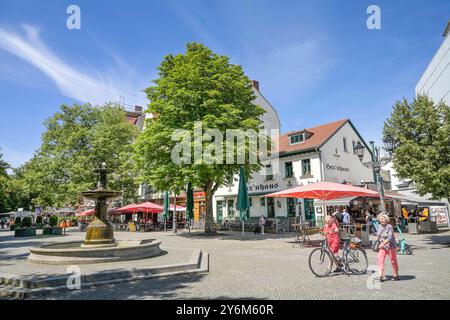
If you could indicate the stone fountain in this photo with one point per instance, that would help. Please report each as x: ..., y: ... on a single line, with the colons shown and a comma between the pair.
x: 100, y: 231
x: 99, y: 244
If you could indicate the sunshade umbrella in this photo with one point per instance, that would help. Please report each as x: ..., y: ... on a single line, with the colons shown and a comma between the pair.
x: 86, y: 213
x: 140, y: 207
x: 189, y: 204
x: 324, y: 191
x: 166, y: 208
x: 243, y: 204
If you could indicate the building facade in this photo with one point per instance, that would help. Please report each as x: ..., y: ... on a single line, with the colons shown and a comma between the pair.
x: 322, y: 153
x: 435, y: 81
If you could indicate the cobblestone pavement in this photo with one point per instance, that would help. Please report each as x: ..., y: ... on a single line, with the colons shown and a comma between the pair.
x: 266, y: 267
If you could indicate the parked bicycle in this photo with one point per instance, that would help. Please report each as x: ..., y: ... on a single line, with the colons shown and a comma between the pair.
x: 353, y: 261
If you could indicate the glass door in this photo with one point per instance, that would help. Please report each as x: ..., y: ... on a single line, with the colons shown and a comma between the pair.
x: 309, y: 212
x: 230, y: 208
x: 270, y: 208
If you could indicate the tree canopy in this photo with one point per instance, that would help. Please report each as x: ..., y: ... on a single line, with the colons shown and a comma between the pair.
x: 198, y: 85
x: 421, y: 131
x: 78, y: 139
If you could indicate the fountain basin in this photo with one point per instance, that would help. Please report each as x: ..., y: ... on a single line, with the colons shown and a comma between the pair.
x: 76, y: 253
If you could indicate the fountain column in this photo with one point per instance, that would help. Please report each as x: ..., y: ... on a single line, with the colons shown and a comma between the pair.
x: 100, y: 231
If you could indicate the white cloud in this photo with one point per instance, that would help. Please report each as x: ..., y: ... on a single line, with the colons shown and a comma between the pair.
x: 85, y: 86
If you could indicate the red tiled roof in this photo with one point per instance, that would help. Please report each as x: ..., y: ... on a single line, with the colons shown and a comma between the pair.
x: 320, y: 134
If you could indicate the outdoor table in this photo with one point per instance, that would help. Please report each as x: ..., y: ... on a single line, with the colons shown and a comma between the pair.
x: 302, y: 234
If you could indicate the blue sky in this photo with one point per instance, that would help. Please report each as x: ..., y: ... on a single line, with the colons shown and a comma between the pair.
x: 316, y: 60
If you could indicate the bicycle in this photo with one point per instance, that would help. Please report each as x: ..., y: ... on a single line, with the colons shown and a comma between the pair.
x: 402, y: 246
x: 354, y: 259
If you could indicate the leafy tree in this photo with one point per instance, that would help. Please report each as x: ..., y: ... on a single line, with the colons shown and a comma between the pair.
x: 78, y: 139
x: 196, y: 86
x: 4, y: 185
x: 421, y: 131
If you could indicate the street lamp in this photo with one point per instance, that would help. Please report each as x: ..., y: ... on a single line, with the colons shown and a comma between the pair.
x: 376, y: 164
x: 389, y: 144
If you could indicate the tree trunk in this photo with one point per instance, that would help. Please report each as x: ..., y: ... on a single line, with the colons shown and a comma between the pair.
x: 209, y: 189
x: 209, y: 217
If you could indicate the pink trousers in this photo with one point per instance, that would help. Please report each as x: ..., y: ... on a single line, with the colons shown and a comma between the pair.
x: 381, y: 257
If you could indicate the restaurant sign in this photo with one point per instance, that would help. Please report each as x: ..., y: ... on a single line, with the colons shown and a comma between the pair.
x: 262, y: 187
x: 338, y: 168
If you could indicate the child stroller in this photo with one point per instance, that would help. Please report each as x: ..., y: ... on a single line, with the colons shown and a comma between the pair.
x: 402, y: 246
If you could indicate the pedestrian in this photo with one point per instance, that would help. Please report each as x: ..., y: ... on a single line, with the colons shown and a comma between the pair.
x: 387, y: 247
x: 331, y: 232
x: 339, y: 216
x: 369, y: 218
x: 345, y: 217
x: 262, y: 222
x: 3, y: 223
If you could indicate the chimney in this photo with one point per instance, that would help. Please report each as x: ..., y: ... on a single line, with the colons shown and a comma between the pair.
x: 138, y: 109
x: 255, y: 84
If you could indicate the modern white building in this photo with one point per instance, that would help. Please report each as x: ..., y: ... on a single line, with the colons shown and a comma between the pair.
x: 435, y: 81
x: 321, y: 153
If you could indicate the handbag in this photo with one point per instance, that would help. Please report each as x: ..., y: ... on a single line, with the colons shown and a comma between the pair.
x: 376, y: 243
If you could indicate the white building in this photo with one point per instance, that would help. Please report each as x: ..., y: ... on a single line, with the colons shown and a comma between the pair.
x: 435, y: 81
x: 322, y: 153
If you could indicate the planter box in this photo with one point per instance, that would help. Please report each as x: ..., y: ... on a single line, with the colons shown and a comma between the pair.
x: 25, y: 232
x: 14, y: 227
x: 52, y: 231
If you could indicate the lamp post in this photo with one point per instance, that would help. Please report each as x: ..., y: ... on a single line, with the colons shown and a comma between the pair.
x: 376, y: 164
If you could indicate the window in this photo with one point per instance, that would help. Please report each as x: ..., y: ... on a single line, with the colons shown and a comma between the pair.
x: 344, y: 140
x: 290, y: 207
x: 296, y: 138
x: 306, y: 167
x: 353, y: 146
x: 288, y: 171
x: 250, y: 201
x: 269, y: 173
x: 230, y: 209
x: 262, y: 202
x: 229, y: 180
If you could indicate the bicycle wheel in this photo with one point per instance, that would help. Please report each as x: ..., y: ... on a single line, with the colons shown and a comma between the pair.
x: 408, y: 250
x: 320, y: 262
x: 356, y: 260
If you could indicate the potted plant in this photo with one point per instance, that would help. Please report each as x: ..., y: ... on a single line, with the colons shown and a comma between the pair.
x: 25, y: 229
x: 53, y: 228
x: 16, y: 225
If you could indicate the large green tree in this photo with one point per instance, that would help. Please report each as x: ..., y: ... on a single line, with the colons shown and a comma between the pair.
x: 4, y: 185
x: 78, y: 139
x: 198, y: 85
x: 421, y: 131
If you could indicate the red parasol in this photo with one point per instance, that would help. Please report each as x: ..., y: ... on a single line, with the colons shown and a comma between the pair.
x: 324, y: 191
x: 148, y: 207
x: 86, y: 213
